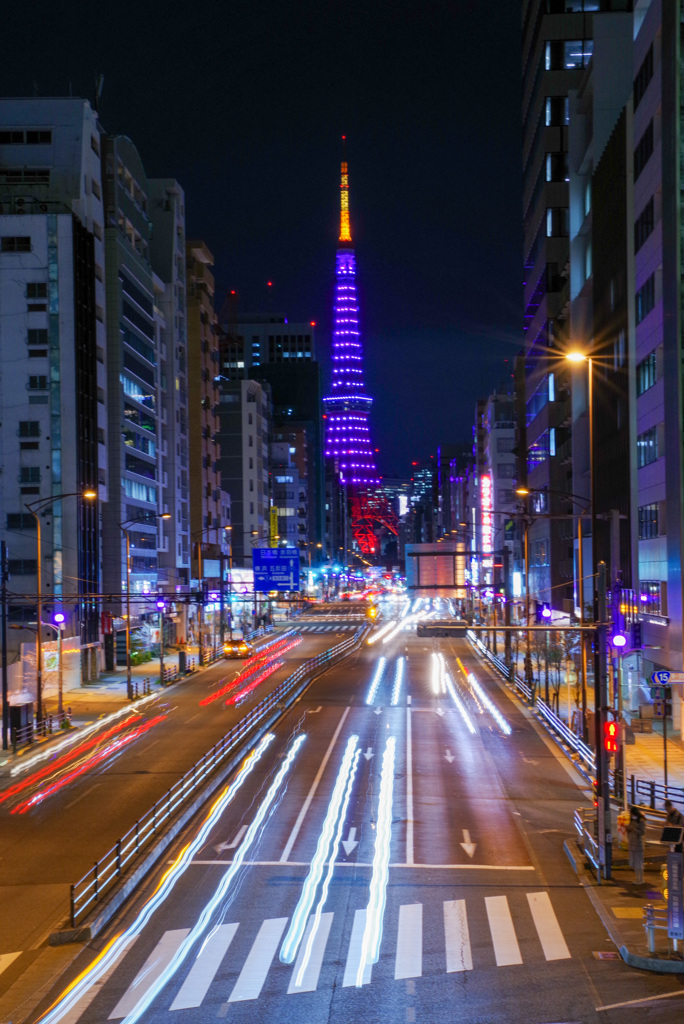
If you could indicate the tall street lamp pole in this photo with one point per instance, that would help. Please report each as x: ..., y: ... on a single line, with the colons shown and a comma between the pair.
x: 35, y: 508
x: 600, y: 644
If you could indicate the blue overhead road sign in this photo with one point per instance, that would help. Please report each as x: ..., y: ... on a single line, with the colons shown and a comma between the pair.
x: 275, y: 569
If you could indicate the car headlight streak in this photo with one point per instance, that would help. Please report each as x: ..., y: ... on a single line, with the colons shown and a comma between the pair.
x: 204, y: 919
x: 398, y: 676
x: 288, y: 950
x: 491, y: 707
x: 382, y: 632
x: 331, y: 867
x: 376, y: 681
x: 377, y: 897
x: 108, y: 957
x: 457, y: 701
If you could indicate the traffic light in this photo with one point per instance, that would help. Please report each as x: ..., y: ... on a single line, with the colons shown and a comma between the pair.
x: 610, y: 737
x: 636, y: 634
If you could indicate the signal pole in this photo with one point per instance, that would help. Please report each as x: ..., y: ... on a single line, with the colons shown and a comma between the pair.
x: 601, y: 705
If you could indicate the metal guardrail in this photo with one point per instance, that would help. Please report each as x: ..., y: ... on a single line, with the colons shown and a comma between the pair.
x: 104, y: 874
x: 26, y: 734
x: 655, y: 791
x: 586, y: 816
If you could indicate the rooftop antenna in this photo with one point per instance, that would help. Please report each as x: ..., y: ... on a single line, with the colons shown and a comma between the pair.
x: 99, y: 82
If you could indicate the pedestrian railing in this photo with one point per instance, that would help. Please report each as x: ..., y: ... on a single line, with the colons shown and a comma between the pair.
x: 518, y: 684
x: 586, y: 825
x: 106, y: 871
x: 560, y: 727
x: 654, y: 791
x: 26, y: 734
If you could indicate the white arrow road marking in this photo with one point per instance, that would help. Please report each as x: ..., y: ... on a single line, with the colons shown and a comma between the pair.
x: 440, y: 712
x: 231, y: 846
x: 369, y: 753
x: 528, y: 760
x: 314, y: 711
x: 378, y: 711
x: 350, y: 842
x: 467, y: 845
x: 449, y: 756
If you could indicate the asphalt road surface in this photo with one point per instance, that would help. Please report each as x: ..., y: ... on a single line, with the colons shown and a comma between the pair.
x: 52, y: 845
x: 394, y: 855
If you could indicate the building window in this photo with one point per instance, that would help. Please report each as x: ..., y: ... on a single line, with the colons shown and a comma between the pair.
x: 556, y: 166
x: 651, y: 597
x: 567, y: 54
x: 643, y: 77
x: 556, y: 221
x: 643, y: 225
x: 37, y: 336
x: 557, y: 111
x: 25, y: 176
x: 37, y: 383
x: 29, y: 428
x: 36, y: 290
x: 505, y: 444
x: 646, y: 373
x: 647, y: 447
x: 29, y: 475
x: 648, y: 521
x: 643, y: 150
x: 22, y: 566
x: 20, y: 521
x: 31, y: 137
x: 15, y: 243
x: 645, y: 299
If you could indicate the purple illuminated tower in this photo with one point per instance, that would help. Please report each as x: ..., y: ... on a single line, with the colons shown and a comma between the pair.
x: 348, y: 407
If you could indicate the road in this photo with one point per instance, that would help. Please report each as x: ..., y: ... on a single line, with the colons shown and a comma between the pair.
x: 478, y: 917
x: 51, y: 846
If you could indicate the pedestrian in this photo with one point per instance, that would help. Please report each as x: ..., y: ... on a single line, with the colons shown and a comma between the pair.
x: 635, y: 833
x: 674, y: 818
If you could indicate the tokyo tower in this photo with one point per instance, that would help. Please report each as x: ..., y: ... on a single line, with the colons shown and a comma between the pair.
x: 347, y: 408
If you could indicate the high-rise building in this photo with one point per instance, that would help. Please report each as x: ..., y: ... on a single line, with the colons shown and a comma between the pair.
x: 245, y: 414
x: 658, y: 227
x: 557, y: 47
x: 52, y: 359
x: 258, y: 338
x: 167, y: 254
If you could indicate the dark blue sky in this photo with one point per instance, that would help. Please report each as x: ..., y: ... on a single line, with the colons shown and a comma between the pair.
x: 244, y: 103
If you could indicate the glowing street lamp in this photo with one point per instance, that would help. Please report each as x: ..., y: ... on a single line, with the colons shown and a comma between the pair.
x: 59, y: 618
x: 35, y: 508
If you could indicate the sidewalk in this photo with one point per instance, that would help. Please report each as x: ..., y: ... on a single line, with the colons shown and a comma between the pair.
x: 620, y: 904
x: 644, y: 758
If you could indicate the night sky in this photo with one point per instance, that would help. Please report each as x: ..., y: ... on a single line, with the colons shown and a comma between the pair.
x: 244, y: 103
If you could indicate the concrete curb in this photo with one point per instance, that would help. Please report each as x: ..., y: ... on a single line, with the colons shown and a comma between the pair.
x: 644, y: 963
x: 104, y: 913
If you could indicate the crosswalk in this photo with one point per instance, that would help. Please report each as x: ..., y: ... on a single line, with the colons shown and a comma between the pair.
x: 461, y: 936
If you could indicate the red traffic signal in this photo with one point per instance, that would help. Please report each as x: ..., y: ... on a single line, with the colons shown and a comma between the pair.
x: 610, y: 737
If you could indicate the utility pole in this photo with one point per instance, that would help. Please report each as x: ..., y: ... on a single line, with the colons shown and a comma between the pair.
x: 507, y: 613
x: 602, y: 707
x: 3, y: 615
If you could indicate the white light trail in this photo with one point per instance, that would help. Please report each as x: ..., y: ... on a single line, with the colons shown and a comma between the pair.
x: 397, y: 681
x: 381, y: 632
x: 435, y: 673
x: 331, y: 867
x: 92, y: 974
x: 491, y: 707
x: 288, y: 950
x: 376, y: 680
x: 417, y: 603
x: 205, y: 917
x: 377, y: 897
x: 457, y: 701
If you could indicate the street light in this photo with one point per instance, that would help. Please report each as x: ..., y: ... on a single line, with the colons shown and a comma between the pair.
x: 161, y: 605
x: 125, y: 529
x: 59, y: 618
x: 35, y: 507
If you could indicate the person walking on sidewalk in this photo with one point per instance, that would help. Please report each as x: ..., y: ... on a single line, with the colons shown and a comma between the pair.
x: 635, y: 833
x: 675, y: 818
